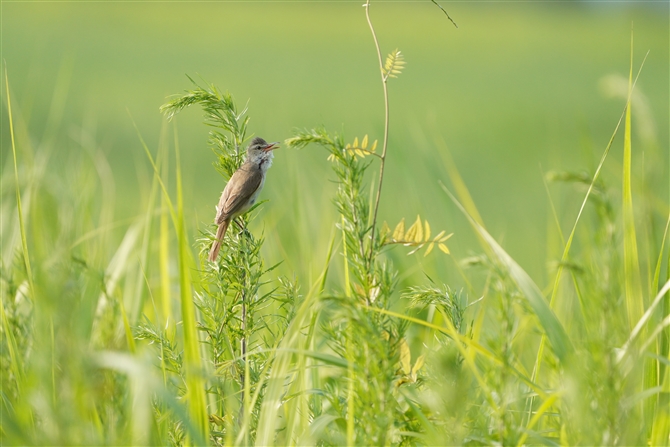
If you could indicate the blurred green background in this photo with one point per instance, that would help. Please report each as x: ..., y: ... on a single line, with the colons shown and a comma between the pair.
x: 514, y: 92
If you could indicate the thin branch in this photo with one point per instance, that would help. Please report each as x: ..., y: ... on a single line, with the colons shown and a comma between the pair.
x: 445, y: 12
x: 386, y: 128
x: 369, y: 152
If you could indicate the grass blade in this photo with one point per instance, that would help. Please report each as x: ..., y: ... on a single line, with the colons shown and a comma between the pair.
x: 268, y: 419
x: 660, y: 430
x: 553, y: 328
x: 195, y: 382
x: 632, y: 280
x: 659, y: 261
x: 164, y: 260
x: 641, y: 324
x: 22, y: 224
x: 546, y: 405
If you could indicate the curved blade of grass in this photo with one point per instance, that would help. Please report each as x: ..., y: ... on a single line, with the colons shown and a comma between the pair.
x: 114, y: 272
x: 157, y: 172
x: 635, y: 333
x: 565, y: 254
x: 137, y: 303
x: 283, y: 359
x: 659, y: 261
x: 632, y: 279
x: 297, y: 424
x: 552, y: 326
x: 164, y: 259
x: 195, y: 382
x: 450, y: 331
x: 22, y: 226
x: 259, y: 387
x: 546, y: 405
x: 660, y: 430
x: 634, y: 298
x: 657, y: 330
x: 568, y: 245
x: 281, y: 366
x: 456, y: 180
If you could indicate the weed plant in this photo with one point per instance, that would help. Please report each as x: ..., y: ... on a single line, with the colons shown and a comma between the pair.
x: 145, y: 342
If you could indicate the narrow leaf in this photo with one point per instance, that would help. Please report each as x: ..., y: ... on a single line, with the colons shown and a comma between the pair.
x: 419, y: 363
x: 553, y: 328
x: 632, y: 281
x: 399, y: 232
x: 405, y: 357
x: 430, y: 248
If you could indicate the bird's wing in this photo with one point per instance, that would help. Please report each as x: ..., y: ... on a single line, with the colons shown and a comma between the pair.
x: 244, y: 182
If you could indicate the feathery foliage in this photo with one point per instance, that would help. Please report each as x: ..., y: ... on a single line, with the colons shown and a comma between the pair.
x: 135, y: 339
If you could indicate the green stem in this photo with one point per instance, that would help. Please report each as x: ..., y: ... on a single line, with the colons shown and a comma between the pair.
x: 386, y: 129
x: 22, y: 223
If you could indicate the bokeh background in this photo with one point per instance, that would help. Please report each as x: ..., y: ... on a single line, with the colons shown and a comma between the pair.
x: 519, y: 89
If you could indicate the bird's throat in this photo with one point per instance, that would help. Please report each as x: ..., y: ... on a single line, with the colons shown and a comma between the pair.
x: 265, y: 161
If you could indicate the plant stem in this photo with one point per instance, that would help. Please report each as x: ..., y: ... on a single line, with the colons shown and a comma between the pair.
x: 246, y: 397
x: 386, y: 129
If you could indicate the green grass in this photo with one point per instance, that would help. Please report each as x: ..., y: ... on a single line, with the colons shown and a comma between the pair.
x: 547, y: 324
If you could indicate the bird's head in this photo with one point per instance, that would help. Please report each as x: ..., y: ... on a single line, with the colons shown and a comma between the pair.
x: 259, y: 148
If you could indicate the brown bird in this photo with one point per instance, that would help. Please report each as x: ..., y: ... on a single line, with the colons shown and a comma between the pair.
x: 243, y: 189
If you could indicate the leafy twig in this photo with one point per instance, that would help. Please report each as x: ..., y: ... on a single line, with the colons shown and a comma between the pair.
x: 386, y: 129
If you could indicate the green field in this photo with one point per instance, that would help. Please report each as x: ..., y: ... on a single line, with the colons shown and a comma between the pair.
x: 520, y: 101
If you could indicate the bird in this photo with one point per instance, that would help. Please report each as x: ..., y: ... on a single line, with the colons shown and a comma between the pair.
x: 243, y: 189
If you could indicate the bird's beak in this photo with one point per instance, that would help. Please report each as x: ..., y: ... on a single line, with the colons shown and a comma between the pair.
x: 271, y: 146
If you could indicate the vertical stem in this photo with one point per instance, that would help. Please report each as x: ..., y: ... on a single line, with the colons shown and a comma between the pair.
x: 247, y: 389
x: 243, y: 342
x: 347, y: 282
x: 53, y: 363
x: 19, y: 208
x: 246, y: 399
x: 351, y: 434
x: 386, y: 129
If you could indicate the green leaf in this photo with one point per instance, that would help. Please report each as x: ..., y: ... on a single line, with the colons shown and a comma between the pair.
x: 405, y: 357
x: 632, y: 281
x: 399, y: 232
x: 419, y: 363
x: 430, y: 248
x: 394, y: 64
x: 553, y: 328
x: 195, y: 383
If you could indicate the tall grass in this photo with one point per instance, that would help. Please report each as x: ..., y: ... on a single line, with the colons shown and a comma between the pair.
x: 142, y: 341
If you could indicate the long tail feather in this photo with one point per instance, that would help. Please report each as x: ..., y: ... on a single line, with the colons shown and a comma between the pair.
x: 216, y: 246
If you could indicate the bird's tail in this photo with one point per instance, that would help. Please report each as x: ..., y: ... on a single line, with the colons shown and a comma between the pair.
x: 216, y: 246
